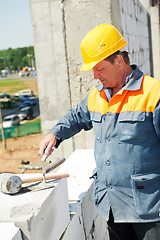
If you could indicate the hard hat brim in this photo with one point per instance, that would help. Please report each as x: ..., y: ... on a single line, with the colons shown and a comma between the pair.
x: 88, y: 66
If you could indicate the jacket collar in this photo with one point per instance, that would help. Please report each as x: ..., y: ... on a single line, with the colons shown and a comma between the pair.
x: 133, y: 84
x: 136, y: 79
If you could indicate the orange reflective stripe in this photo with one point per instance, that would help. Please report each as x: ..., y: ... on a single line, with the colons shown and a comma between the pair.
x: 145, y: 99
x: 97, y: 101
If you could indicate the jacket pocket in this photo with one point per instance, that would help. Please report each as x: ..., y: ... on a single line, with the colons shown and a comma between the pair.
x: 131, y: 127
x: 146, y: 194
x: 96, y: 119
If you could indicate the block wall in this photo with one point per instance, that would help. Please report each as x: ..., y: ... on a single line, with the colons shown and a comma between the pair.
x: 136, y: 31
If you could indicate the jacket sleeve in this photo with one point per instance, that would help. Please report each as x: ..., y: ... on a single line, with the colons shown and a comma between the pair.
x: 156, y: 119
x: 73, y: 122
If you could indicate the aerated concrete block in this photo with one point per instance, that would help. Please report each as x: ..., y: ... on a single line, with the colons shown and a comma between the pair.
x: 9, y: 231
x: 41, y: 214
x: 86, y: 224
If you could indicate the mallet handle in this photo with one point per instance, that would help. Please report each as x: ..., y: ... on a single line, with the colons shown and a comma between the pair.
x: 36, y: 177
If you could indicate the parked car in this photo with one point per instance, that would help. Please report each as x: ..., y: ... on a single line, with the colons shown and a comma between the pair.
x: 26, y: 113
x: 11, y: 120
x: 22, y: 115
x: 15, y: 98
x: 26, y: 92
x: 4, y: 95
x: 21, y: 73
x: 25, y: 104
x: 24, y: 97
x: 32, y: 100
x: 4, y: 73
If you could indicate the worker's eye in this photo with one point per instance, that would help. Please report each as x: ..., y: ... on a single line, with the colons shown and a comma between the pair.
x: 100, y: 69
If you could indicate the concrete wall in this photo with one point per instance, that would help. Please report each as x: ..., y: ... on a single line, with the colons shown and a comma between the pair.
x: 59, y: 27
x: 153, y: 12
x: 53, y: 87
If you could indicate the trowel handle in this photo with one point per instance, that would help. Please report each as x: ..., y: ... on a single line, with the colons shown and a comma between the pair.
x: 36, y: 177
x: 53, y: 165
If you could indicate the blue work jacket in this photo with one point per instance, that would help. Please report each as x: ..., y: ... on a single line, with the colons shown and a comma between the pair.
x: 127, y: 147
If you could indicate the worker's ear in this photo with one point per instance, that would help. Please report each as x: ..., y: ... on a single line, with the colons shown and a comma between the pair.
x: 119, y: 60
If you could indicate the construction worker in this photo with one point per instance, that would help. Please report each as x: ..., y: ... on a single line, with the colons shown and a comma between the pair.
x: 124, y: 111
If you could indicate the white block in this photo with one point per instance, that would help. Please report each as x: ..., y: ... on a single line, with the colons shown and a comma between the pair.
x: 75, y: 230
x: 39, y: 214
x: 53, y: 217
x: 9, y: 231
x: 79, y: 165
x: 86, y: 224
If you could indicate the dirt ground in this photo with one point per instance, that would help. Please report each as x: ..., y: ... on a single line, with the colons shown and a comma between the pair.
x: 22, y: 148
x: 18, y: 149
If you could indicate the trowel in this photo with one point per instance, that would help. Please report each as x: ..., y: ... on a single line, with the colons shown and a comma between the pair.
x: 43, y: 184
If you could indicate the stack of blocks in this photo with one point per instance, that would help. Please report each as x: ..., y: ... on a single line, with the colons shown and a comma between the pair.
x: 65, y: 212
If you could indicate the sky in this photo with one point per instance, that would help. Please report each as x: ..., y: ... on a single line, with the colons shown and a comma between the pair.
x: 15, y: 24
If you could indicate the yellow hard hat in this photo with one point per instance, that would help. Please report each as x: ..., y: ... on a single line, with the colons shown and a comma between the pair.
x: 100, y: 43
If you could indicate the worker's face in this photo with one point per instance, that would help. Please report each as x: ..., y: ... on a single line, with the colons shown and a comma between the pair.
x: 108, y: 73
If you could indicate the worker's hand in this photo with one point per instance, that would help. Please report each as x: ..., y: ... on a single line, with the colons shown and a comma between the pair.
x: 47, y: 144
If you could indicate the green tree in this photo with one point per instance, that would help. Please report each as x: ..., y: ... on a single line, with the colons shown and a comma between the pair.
x: 16, y: 59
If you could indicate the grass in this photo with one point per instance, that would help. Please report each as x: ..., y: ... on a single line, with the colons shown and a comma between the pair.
x: 11, y: 86
x: 11, y: 82
x: 37, y: 120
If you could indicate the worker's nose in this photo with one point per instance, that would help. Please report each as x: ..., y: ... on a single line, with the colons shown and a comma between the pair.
x: 96, y: 74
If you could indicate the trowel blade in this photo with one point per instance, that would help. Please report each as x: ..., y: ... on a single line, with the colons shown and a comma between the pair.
x: 38, y: 186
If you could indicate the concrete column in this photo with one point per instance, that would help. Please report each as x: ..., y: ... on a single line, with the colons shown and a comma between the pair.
x: 52, y: 76
x: 79, y: 17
